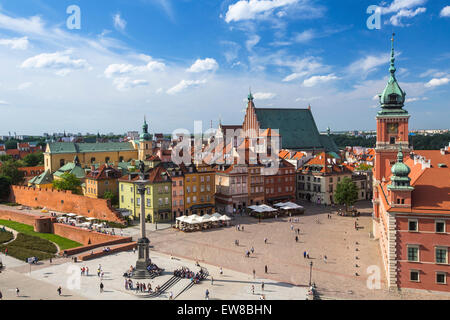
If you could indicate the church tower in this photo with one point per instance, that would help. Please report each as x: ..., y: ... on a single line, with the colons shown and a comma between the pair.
x: 392, y: 129
x: 145, y: 143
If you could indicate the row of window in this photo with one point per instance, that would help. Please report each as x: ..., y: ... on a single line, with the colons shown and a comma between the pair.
x: 272, y: 190
x: 413, y: 226
x: 202, y: 188
x: 161, y: 201
x: 440, y: 254
x: 441, y: 277
x: 202, y: 179
x: 194, y: 199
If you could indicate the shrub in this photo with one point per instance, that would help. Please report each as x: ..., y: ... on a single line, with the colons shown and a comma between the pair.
x: 6, y: 236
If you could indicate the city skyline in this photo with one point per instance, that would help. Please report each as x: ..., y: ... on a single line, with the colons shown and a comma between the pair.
x: 156, y: 58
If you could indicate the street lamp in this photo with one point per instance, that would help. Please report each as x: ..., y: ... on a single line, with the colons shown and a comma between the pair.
x: 310, y: 272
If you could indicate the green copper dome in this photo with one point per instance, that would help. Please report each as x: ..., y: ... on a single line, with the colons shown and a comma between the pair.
x: 400, y: 174
x: 393, y: 97
x: 145, y: 136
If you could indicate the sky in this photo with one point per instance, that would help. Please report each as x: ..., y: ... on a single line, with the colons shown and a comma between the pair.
x: 180, y: 61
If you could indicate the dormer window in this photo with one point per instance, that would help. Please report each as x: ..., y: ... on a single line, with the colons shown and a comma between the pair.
x: 393, y: 98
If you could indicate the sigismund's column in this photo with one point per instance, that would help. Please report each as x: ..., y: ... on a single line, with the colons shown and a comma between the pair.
x: 143, y: 243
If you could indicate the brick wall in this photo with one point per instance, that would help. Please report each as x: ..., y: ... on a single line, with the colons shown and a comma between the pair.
x: 83, y: 236
x: 24, y: 218
x: 100, y: 253
x: 64, y: 201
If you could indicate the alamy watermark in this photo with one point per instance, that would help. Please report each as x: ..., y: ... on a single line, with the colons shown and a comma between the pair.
x: 74, y: 20
x: 374, y: 20
x: 374, y: 280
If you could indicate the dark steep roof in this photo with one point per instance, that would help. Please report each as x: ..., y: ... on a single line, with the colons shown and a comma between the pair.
x: 297, y: 128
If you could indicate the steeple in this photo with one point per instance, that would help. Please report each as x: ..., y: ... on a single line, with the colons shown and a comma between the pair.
x: 250, y: 96
x: 145, y: 136
x: 393, y: 97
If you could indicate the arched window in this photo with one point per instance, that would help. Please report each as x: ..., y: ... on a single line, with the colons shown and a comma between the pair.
x: 92, y: 160
x: 61, y: 162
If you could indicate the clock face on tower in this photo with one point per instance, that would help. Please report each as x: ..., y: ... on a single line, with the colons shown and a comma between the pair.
x: 392, y: 128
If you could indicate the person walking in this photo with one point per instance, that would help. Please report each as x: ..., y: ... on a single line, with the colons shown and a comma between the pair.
x: 17, y: 291
x: 254, y: 274
x: 304, y: 254
x: 262, y: 286
x: 221, y: 271
x: 253, y: 289
x: 59, y: 290
x: 207, y: 294
x: 265, y: 240
x: 101, y: 287
x: 296, y: 239
x: 87, y: 271
x: 252, y: 250
x: 170, y: 295
x: 212, y: 280
x: 265, y: 268
x: 325, y: 259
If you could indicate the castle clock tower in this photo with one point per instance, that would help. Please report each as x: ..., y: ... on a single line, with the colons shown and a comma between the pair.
x: 145, y: 143
x: 392, y: 129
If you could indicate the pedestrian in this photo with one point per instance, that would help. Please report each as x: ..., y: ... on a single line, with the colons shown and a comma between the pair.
x: 50, y: 260
x: 265, y: 268
x: 101, y: 287
x: 325, y: 259
x: 307, y: 255
x: 262, y: 286
x: 296, y: 238
x: 356, y: 225
x: 242, y: 228
x: 292, y: 227
x: 98, y: 272
x: 87, y: 271
x: 170, y: 295
x: 17, y: 291
x: 304, y: 254
x: 265, y: 240
x: 59, y: 290
x: 212, y: 280
x: 134, y: 249
x: 253, y: 289
x: 221, y: 271
x: 207, y: 294
x: 254, y: 274
x: 252, y: 250
x: 126, y: 284
x: 6, y: 251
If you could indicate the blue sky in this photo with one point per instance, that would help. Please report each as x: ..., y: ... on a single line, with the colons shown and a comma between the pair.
x: 177, y: 61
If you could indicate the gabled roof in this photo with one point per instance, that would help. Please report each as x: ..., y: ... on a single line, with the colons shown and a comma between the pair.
x: 105, y: 172
x: 72, y: 169
x: 296, y: 127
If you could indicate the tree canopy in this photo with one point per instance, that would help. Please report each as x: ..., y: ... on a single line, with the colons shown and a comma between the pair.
x: 5, y: 183
x: 10, y: 169
x: 346, y: 193
x: 68, y: 182
x: 34, y: 159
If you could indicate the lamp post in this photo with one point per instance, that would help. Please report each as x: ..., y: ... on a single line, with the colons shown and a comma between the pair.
x: 310, y: 272
x: 143, y: 261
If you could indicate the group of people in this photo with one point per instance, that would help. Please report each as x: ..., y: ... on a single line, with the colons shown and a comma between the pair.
x: 154, y: 269
x: 188, y: 274
x: 84, y: 271
x: 140, y: 287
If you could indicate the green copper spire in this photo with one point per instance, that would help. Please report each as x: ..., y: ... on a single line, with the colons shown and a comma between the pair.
x: 393, y: 97
x: 145, y: 136
x: 400, y: 174
x: 250, y: 96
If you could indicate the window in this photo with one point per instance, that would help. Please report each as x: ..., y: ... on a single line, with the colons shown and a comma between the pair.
x: 180, y: 183
x: 61, y: 162
x: 413, y: 225
x: 414, y: 275
x: 121, y: 187
x: 441, y: 254
x: 440, y: 226
x: 148, y: 190
x: 166, y: 188
x: 413, y: 253
x: 149, y: 203
x: 138, y: 201
x: 107, y: 160
x: 194, y: 199
x: 441, y: 278
x: 132, y: 201
x: 92, y: 160
x: 188, y: 199
x: 208, y: 178
x: 121, y: 199
x: 166, y: 201
x: 160, y: 201
x: 194, y: 189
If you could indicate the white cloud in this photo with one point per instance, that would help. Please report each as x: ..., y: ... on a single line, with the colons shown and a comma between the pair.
x: 368, y: 64
x: 253, y: 41
x: 405, y: 13
x: 254, y: 9
x: 4, y: 103
x: 125, y: 83
x: 207, y: 64
x: 305, y: 36
x: 121, y: 69
x: 398, y: 5
x: 62, y: 62
x: 264, y: 95
x: 307, y: 99
x: 411, y: 100
x: 445, y: 12
x: 16, y: 43
x: 119, y: 23
x: 315, y: 80
x: 32, y: 25
x: 184, y: 85
x: 437, y: 82
x: 294, y: 76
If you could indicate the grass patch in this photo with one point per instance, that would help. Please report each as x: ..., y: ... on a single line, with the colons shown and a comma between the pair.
x: 6, y: 236
x: 26, y: 246
x: 63, y: 243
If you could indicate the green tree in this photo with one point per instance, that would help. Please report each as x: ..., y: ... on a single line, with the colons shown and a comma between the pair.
x: 68, y: 182
x: 5, y: 184
x: 34, y: 159
x: 5, y: 157
x: 346, y: 193
x: 10, y: 169
x: 108, y: 195
x: 11, y: 144
x: 364, y: 167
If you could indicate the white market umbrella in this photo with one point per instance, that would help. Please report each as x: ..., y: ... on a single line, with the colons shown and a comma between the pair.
x: 214, y: 219
x: 217, y: 215
x: 225, y: 218
x: 91, y: 219
x: 71, y: 215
